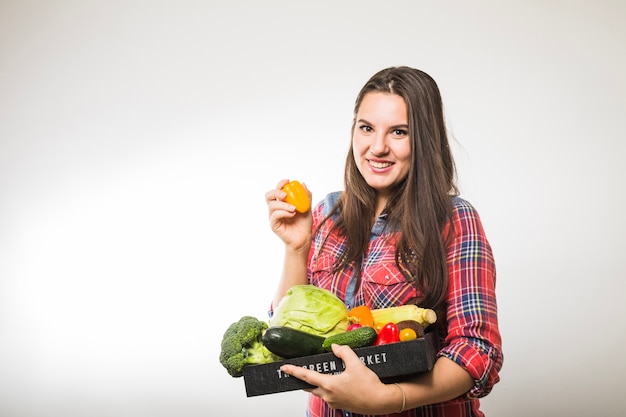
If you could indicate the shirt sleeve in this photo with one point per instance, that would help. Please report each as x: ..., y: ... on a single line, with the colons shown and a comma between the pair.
x: 473, y: 339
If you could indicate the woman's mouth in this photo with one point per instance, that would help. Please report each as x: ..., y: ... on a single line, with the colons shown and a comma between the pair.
x: 379, y: 164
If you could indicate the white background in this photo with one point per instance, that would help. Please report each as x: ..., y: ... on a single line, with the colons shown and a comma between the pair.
x: 137, y: 140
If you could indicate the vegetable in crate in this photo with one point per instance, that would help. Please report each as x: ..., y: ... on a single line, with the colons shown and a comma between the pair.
x: 388, y: 334
x: 359, y: 337
x: 291, y: 343
x: 423, y: 316
x: 242, y: 345
x: 312, y: 310
x: 361, y: 315
x: 417, y: 328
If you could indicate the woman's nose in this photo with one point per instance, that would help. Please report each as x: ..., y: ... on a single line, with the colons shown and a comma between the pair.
x: 379, y: 144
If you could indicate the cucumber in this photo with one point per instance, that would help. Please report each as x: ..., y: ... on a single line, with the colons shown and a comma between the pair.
x: 359, y: 337
x: 288, y: 343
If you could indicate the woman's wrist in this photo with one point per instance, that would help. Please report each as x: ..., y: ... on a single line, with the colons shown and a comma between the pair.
x: 403, y: 405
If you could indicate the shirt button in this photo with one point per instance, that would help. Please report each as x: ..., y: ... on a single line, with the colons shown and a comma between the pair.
x: 387, y: 277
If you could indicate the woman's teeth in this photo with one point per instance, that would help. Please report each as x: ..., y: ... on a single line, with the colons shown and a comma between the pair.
x: 380, y: 164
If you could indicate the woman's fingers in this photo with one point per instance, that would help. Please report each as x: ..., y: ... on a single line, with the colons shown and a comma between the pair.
x: 347, y: 355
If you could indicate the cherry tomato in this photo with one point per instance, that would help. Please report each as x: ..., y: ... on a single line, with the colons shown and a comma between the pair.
x: 297, y: 196
x: 378, y: 327
x: 354, y: 326
x: 361, y: 315
x: 407, y: 334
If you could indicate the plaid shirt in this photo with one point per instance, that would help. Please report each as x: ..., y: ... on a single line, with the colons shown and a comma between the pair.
x: 472, y: 338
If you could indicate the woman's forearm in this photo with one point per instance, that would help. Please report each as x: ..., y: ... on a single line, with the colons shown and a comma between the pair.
x: 294, y: 271
x: 446, y: 381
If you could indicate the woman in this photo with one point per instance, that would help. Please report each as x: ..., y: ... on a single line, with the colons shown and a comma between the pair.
x: 399, y: 233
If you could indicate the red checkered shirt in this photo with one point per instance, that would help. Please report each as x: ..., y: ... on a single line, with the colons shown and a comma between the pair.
x: 471, y: 337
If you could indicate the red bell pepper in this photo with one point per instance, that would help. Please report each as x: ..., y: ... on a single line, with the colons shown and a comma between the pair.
x: 388, y: 334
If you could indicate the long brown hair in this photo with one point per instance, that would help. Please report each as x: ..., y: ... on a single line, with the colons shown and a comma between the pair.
x: 421, y: 204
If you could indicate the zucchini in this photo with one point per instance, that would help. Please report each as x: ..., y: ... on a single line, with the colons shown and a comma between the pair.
x: 288, y: 342
x: 359, y: 337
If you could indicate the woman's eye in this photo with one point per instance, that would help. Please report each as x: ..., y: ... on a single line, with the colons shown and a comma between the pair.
x: 399, y: 132
x: 366, y: 128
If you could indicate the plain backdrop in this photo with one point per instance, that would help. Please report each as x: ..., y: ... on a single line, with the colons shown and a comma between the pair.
x: 138, y: 138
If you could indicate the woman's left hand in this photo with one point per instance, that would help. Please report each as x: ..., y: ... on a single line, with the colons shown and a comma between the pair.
x: 357, y: 388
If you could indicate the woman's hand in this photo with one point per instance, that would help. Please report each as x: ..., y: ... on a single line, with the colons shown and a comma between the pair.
x: 292, y: 227
x: 357, y: 388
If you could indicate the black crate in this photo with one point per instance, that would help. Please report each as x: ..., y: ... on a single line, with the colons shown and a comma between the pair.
x: 390, y: 360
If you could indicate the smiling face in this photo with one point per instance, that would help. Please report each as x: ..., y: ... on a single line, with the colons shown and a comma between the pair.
x: 381, y: 143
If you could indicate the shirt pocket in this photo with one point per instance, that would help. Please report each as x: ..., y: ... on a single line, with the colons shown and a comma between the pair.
x: 384, y: 286
x: 322, y: 262
x: 322, y: 274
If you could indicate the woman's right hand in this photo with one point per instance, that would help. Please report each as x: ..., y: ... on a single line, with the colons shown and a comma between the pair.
x: 293, y: 228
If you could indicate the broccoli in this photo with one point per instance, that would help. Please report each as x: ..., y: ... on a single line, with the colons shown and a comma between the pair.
x: 242, y: 345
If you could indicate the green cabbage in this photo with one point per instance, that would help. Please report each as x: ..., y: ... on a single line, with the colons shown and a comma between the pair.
x: 313, y: 310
